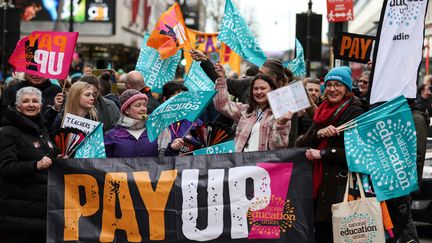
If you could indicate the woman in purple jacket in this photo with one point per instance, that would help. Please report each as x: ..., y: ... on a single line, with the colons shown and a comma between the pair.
x: 129, y: 138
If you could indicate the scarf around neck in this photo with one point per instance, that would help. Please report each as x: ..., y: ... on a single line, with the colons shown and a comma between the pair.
x: 130, y: 123
x: 327, y: 114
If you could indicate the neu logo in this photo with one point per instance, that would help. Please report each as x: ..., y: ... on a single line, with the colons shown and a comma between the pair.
x: 359, y: 227
x: 404, y: 12
x: 386, y: 151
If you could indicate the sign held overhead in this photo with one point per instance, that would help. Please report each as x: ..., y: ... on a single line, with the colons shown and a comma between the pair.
x: 353, y: 47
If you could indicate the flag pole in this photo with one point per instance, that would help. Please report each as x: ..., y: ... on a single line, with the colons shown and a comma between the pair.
x: 187, y: 131
x: 64, y: 85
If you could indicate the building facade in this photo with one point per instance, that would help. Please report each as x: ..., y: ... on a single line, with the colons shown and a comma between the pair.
x: 110, y: 31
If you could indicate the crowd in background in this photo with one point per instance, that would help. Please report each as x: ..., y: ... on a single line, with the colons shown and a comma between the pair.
x: 32, y: 108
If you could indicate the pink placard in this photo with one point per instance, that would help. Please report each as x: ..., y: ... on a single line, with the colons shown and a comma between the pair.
x: 268, y: 222
x: 46, y: 54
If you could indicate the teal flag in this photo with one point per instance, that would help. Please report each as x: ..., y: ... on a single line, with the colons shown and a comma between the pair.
x: 186, y: 105
x: 236, y: 34
x: 222, y: 148
x: 298, y: 65
x: 383, y: 144
x: 92, y: 147
x: 197, y: 79
x: 156, y: 71
x: 391, y: 106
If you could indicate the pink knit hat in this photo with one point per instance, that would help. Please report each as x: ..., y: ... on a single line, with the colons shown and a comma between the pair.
x: 129, y: 96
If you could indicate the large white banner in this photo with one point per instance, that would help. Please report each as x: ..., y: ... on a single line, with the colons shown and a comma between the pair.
x: 399, y: 51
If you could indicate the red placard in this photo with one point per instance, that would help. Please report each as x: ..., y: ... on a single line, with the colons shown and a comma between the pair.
x: 340, y: 10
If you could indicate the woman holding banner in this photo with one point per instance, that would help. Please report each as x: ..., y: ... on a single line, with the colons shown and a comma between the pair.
x: 80, y: 102
x: 327, y: 147
x: 26, y: 151
x: 257, y: 129
x: 129, y: 138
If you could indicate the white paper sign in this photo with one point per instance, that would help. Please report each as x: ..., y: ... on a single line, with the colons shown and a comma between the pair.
x: 81, y: 123
x: 289, y: 98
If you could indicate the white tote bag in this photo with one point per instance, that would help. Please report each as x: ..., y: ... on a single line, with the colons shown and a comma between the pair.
x: 357, y: 221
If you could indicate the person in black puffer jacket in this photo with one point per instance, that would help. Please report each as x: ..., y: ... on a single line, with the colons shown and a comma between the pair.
x: 26, y: 151
x: 52, y: 96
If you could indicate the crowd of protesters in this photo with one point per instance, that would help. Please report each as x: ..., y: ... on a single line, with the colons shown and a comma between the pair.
x: 33, y: 107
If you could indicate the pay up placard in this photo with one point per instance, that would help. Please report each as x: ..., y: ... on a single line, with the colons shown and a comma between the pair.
x: 289, y: 98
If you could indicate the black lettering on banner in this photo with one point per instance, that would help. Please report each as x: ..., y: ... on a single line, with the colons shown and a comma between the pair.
x: 183, y: 198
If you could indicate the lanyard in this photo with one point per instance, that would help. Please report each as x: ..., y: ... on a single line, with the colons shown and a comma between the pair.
x: 260, y: 115
x: 339, y: 109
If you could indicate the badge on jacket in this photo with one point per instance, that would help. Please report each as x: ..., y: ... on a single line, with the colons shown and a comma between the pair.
x: 36, y: 144
x: 50, y: 145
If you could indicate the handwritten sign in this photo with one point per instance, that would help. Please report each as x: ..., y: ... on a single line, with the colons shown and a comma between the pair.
x: 289, y: 98
x: 81, y: 123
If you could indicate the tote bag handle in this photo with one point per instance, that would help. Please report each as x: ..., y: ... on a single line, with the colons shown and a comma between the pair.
x: 350, y: 181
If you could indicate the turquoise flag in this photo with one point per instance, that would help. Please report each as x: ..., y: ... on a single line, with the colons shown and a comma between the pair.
x: 197, y: 79
x: 222, y: 148
x: 236, y: 34
x: 186, y: 105
x: 384, y: 146
x: 391, y: 106
x: 156, y: 71
x: 298, y: 65
x: 92, y: 147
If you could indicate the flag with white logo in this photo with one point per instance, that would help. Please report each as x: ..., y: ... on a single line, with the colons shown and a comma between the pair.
x: 398, y: 50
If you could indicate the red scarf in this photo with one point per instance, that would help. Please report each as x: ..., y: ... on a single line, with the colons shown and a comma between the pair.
x: 326, y: 114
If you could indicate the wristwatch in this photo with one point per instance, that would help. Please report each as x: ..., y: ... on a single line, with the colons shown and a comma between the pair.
x: 323, y: 153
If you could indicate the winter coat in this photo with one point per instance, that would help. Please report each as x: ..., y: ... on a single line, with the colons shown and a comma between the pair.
x: 107, y: 111
x: 271, y: 135
x: 239, y: 88
x: 23, y: 188
x: 335, y: 167
x: 119, y: 143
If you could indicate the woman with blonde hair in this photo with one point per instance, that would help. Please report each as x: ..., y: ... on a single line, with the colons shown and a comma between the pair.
x: 80, y: 102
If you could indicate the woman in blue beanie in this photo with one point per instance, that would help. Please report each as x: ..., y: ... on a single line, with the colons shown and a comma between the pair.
x: 327, y: 147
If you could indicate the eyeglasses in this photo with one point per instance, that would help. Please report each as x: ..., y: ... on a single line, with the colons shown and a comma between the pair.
x: 336, y: 86
x: 362, y: 81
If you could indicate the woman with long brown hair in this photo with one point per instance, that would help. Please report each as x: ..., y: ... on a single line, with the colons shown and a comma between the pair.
x: 257, y: 128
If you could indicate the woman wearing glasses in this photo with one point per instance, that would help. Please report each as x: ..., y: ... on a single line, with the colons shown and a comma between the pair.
x: 327, y: 147
x: 363, y: 84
